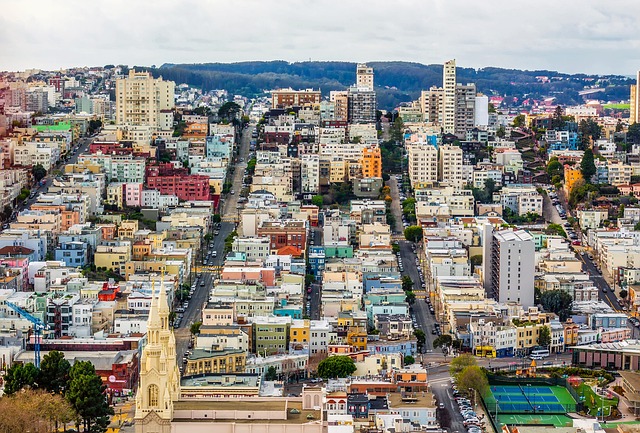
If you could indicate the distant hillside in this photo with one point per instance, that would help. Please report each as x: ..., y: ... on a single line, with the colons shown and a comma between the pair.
x: 396, y: 82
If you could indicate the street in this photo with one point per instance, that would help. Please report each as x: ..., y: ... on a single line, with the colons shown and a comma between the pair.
x: 193, y: 313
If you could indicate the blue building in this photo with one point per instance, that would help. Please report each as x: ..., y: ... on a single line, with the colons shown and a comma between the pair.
x: 73, y: 254
x: 285, y: 310
x: 218, y: 146
x: 385, y: 281
x: 404, y: 347
x: 317, y: 260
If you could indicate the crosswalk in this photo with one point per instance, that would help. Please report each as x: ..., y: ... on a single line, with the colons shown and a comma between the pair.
x: 208, y: 269
x: 230, y: 218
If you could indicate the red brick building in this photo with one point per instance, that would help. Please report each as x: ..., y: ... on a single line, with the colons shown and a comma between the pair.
x: 185, y: 187
x: 285, y: 233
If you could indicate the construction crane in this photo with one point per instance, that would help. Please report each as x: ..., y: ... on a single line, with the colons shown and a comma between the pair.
x: 38, y: 327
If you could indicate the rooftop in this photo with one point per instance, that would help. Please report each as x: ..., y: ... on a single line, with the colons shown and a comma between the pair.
x: 418, y: 399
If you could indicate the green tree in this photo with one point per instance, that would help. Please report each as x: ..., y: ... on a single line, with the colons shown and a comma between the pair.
x: 317, y: 200
x: 558, y: 122
x: 195, y: 328
x: 587, y: 165
x: 396, y: 130
x: 476, y: 260
x: 589, y: 130
x: 544, y: 337
x: 208, y: 237
x: 271, y: 374
x: 39, y: 172
x: 20, y: 376
x: 459, y: 363
x: 216, y: 218
x: 500, y: 132
x: 518, y: 121
x: 554, y: 168
x: 633, y: 133
x: 87, y: 397
x: 407, y: 283
x: 54, y: 372
x: 623, y: 293
x: 408, y: 360
x: 410, y: 298
x: 421, y: 339
x: 413, y: 233
x: 558, y: 302
x: 472, y: 378
x: 556, y: 229
x: 395, y: 248
x: 336, y: 366
x: 228, y: 111
x: 444, y: 340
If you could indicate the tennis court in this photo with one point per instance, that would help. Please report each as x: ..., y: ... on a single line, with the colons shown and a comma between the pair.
x: 538, y: 419
x: 527, y: 399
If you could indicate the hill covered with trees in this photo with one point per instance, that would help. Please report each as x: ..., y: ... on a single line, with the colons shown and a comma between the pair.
x: 396, y: 82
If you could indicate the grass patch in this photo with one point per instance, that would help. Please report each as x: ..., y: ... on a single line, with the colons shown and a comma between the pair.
x: 594, y: 402
x: 617, y: 106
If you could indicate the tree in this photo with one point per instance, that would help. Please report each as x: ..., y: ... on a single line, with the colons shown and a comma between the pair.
x: 195, y: 328
x: 544, y: 337
x: 476, y: 260
x: 408, y: 360
x: 587, y: 165
x: 395, y: 248
x: 228, y: 111
x: 421, y: 339
x: 407, y: 284
x: 54, y: 372
x: 208, y: 237
x: 413, y: 233
x: 623, y: 293
x: 557, y: 301
x: 554, y: 168
x: 459, y: 363
x: 518, y: 121
x: 557, y: 122
x: 20, y: 376
x: 410, y: 297
x: 336, y: 366
x: 443, y: 340
x: 86, y: 394
x: 556, y: 229
x: 216, y: 218
x: 271, y: 374
x: 35, y: 411
x: 317, y: 200
x: 500, y: 133
x: 633, y: 133
x: 38, y: 172
x: 472, y: 378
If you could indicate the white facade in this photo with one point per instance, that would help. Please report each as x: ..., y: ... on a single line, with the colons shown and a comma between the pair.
x: 423, y: 163
x: 450, y: 164
x: 512, y: 267
x: 140, y: 100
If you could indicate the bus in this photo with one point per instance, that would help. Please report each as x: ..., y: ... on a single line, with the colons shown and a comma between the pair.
x: 485, y: 351
x: 539, y: 353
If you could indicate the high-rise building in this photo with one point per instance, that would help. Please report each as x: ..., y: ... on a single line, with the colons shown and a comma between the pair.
x: 364, y: 76
x: 371, y: 162
x: 481, y: 114
x: 142, y: 100
x: 283, y: 98
x: 340, y: 99
x: 449, y: 97
x: 465, y: 108
x: 634, y: 106
x: 512, y: 267
x: 362, y: 105
x: 450, y: 166
x: 423, y: 163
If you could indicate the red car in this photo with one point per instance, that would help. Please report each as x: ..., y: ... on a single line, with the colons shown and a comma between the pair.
x: 575, y: 243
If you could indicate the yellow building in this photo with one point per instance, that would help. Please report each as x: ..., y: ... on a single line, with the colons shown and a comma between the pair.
x: 171, y: 267
x: 112, y: 257
x: 527, y: 334
x: 156, y: 239
x: 572, y: 175
x: 299, y: 331
x: 203, y: 361
x: 357, y: 338
x: 371, y: 162
x: 127, y: 229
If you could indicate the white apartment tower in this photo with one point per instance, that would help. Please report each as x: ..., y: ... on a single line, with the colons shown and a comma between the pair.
x: 634, y: 106
x: 142, y: 100
x: 449, y: 97
x: 512, y: 267
x: 450, y: 166
x: 423, y: 163
x: 364, y: 76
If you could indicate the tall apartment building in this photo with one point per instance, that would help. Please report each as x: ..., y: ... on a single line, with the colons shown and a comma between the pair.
x: 371, y: 162
x: 142, y: 100
x: 362, y: 105
x: 340, y: 99
x: 364, y: 76
x: 423, y: 163
x: 634, y: 106
x: 512, y: 263
x: 450, y: 166
x: 465, y: 117
x: 449, y: 98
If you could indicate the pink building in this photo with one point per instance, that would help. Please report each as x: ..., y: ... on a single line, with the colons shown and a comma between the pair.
x: 17, y: 257
x: 132, y: 194
x: 266, y: 276
x: 614, y: 335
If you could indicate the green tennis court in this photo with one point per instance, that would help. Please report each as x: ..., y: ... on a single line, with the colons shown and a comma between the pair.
x: 538, y: 419
x: 529, y: 399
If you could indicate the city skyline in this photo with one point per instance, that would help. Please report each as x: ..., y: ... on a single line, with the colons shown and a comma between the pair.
x: 572, y: 37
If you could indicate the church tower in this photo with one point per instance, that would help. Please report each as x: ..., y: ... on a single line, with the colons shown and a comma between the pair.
x: 159, y: 376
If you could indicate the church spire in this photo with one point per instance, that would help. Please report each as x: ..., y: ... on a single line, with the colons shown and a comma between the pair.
x: 154, y: 317
x: 163, y: 304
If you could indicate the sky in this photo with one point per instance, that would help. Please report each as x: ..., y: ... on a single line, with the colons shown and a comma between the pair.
x: 573, y: 36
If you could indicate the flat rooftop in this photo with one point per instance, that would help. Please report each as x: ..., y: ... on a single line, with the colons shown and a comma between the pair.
x: 418, y: 399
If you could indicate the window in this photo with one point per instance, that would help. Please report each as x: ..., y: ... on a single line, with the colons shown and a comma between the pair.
x: 153, y: 392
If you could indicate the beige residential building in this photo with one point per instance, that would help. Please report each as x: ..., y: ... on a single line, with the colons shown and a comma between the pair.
x: 449, y: 99
x: 450, y: 164
x: 340, y: 100
x: 634, y: 106
x: 423, y: 164
x: 620, y: 174
x: 144, y: 101
x: 364, y: 76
